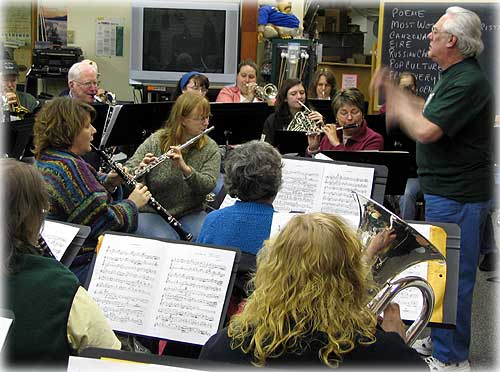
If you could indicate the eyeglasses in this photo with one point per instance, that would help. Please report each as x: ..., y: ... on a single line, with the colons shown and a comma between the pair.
x: 434, y: 30
x: 202, y: 119
x: 352, y: 113
x: 88, y: 84
x: 194, y: 87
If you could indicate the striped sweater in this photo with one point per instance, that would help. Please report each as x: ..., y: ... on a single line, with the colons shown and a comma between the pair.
x: 77, y: 196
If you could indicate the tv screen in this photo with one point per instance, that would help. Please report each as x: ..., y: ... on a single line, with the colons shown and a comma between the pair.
x: 183, y: 39
x: 170, y: 37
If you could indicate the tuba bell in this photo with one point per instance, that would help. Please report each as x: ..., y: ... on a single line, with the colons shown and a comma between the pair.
x: 407, y: 249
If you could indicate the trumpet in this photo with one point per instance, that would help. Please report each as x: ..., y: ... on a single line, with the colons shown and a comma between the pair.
x: 166, y: 155
x: 108, y: 98
x: 302, y: 123
x: 407, y: 249
x: 15, y: 108
x: 265, y: 93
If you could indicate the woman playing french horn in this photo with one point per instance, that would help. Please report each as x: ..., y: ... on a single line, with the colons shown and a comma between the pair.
x: 351, y: 132
x: 291, y: 99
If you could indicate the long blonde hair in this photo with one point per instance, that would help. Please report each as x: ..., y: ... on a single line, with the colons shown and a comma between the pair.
x: 309, y: 278
x: 186, y: 103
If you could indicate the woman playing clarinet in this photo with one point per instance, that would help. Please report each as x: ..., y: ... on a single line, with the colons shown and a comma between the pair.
x: 181, y: 183
x: 63, y: 132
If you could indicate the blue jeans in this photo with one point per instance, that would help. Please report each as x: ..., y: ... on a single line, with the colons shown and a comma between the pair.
x: 154, y: 226
x: 453, y: 345
x: 408, y: 201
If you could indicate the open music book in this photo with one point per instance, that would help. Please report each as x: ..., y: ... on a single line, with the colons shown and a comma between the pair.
x: 318, y: 186
x: 169, y: 290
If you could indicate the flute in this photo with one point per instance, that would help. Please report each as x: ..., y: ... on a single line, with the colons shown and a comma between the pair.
x: 166, y: 155
x: 347, y: 126
x: 176, y: 225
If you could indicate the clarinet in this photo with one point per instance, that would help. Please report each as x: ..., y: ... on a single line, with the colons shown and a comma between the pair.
x: 176, y: 225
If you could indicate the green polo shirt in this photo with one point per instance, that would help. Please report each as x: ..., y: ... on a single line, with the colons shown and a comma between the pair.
x: 459, y: 165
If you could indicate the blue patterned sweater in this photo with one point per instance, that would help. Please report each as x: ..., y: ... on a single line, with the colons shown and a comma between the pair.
x: 244, y: 225
x: 77, y: 196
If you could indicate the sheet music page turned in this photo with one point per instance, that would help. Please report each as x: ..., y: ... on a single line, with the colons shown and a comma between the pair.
x: 167, y: 290
x: 58, y: 237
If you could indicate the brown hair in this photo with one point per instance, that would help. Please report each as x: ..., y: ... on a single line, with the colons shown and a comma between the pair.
x: 171, y: 134
x: 330, y: 79
x: 350, y: 96
x: 58, y: 123
x: 27, y: 198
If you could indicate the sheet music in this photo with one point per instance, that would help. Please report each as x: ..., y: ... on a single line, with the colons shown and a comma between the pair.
x: 310, y: 186
x: 5, y: 324
x: 410, y: 300
x: 280, y: 220
x: 301, y: 186
x: 58, y: 237
x: 80, y: 364
x: 160, y: 289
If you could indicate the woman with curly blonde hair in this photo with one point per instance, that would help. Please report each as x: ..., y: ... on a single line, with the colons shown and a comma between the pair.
x: 309, y: 305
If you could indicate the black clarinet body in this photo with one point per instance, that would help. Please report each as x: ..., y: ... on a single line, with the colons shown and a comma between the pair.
x: 176, y: 225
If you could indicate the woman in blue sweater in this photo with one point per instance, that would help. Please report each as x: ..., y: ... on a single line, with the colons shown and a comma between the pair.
x: 253, y: 175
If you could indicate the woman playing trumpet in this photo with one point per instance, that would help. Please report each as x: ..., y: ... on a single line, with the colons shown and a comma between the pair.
x: 180, y: 184
x: 348, y: 108
x: 290, y: 100
x: 246, y: 82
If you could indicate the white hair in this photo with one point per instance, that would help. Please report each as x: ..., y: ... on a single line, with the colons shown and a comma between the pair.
x: 466, y: 26
x: 76, y: 70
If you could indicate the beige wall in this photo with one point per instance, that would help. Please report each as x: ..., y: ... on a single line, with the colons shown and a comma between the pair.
x: 82, y: 17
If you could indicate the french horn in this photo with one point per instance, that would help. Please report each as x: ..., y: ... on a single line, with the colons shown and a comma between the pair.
x: 301, y: 122
x: 407, y: 249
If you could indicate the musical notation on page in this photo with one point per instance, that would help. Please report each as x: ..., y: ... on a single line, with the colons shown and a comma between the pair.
x: 168, y: 290
x: 58, y: 237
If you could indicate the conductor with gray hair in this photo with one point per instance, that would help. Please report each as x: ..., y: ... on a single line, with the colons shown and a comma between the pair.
x: 253, y: 175
x: 453, y: 131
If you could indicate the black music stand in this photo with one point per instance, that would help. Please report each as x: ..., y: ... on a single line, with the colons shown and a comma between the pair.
x: 290, y: 142
x: 324, y: 107
x: 397, y: 162
x: 76, y: 244
x: 134, y: 122
x: 178, y: 348
x: 237, y: 123
x: 20, y: 138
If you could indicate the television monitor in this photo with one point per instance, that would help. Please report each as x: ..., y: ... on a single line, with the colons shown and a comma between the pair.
x: 171, y: 37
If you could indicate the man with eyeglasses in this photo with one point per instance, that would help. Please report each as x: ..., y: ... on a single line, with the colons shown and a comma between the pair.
x: 453, y: 130
x: 82, y: 82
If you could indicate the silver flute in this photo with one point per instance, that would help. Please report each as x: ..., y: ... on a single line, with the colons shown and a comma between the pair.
x: 166, y: 155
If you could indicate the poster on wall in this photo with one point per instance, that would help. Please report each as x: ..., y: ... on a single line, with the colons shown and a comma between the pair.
x: 349, y: 81
x: 109, y: 37
x: 54, y: 25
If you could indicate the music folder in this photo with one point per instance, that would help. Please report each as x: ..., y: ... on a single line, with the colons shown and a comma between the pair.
x: 64, y: 239
x: 397, y: 162
x: 163, y: 289
x: 290, y: 142
x: 237, y: 123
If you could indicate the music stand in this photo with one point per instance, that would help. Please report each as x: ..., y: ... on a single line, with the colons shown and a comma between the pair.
x: 324, y: 107
x: 290, y: 142
x: 20, y: 138
x: 134, y: 122
x: 237, y: 123
x: 77, y: 243
x: 397, y: 162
